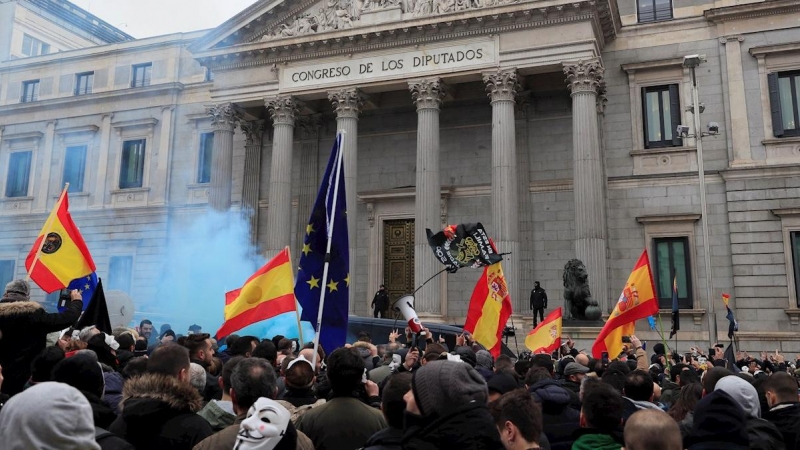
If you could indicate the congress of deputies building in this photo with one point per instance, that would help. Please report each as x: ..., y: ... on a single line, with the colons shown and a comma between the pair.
x: 554, y: 123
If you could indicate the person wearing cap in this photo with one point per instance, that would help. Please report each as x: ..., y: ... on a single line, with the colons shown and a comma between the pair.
x: 24, y: 326
x: 574, y: 374
x: 446, y: 407
x: 299, y: 396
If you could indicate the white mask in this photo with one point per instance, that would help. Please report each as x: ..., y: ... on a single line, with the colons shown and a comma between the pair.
x: 264, y: 426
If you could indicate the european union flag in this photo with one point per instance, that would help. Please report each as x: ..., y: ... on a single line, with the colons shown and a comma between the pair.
x: 328, y: 221
x: 85, y: 285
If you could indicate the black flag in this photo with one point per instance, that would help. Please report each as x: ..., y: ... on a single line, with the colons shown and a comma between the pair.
x: 463, y: 245
x: 97, y: 312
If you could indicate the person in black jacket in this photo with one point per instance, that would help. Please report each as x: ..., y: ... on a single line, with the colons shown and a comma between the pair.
x: 538, y: 302
x: 784, y: 408
x: 380, y: 302
x: 159, y: 408
x: 393, y: 408
x: 201, y: 352
x: 83, y: 372
x: 24, y: 326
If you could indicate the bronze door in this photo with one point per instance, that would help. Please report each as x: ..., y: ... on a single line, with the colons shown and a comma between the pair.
x: 398, y: 258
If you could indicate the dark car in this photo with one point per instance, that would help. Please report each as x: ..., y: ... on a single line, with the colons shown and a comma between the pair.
x: 379, y: 330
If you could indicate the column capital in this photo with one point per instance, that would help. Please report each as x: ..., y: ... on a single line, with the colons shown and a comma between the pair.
x: 502, y: 85
x: 584, y: 76
x: 253, y: 130
x: 347, y: 102
x: 427, y: 93
x: 224, y: 116
x: 283, y: 109
x: 309, y: 126
x: 732, y: 38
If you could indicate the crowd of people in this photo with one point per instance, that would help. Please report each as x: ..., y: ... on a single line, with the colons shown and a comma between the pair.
x: 133, y: 389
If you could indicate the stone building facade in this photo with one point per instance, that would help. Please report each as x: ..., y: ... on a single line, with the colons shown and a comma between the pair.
x: 553, y: 123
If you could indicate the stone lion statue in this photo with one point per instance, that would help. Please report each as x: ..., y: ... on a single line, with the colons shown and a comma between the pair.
x: 578, y: 298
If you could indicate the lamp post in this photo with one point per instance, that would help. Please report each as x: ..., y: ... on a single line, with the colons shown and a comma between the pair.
x: 691, y: 62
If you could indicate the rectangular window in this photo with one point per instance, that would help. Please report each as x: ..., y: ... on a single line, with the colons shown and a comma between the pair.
x: 74, y: 167
x: 34, y: 47
x: 204, y: 166
x: 662, y: 115
x: 784, y: 93
x: 795, y: 236
x: 19, y: 172
x: 119, y: 273
x: 84, y: 83
x: 141, y: 75
x: 30, y: 91
x: 131, y: 172
x: 672, y: 262
x: 654, y: 10
x: 6, y: 272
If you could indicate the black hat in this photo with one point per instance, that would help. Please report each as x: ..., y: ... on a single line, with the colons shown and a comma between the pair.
x: 502, y: 383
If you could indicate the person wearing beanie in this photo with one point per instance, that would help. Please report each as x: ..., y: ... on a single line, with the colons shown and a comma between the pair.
x: 48, y: 415
x: 447, y: 408
x: 484, y: 364
x: 24, y: 326
x: 83, y: 372
x: 719, y: 423
x: 500, y: 384
x: 762, y: 434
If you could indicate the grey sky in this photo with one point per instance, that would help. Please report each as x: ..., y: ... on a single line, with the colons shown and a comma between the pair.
x: 144, y: 18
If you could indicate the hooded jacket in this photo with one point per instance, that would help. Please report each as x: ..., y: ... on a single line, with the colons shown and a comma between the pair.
x: 763, y: 434
x: 24, y: 326
x: 786, y: 417
x: 159, y: 412
x: 470, y: 427
x: 594, y: 439
x: 387, y: 439
x: 559, y: 420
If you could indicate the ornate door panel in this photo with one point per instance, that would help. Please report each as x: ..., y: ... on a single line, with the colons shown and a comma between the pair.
x: 398, y: 257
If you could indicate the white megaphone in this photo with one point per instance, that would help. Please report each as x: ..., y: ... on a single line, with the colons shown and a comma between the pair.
x: 405, y: 305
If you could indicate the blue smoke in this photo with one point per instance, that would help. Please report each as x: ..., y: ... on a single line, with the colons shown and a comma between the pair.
x: 206, y: 259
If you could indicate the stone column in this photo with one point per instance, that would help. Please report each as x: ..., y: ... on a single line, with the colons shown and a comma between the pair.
x: 99, y: 193
x: 224, y: 118
x: 584, y: 79
x: 161, y: 184
x: 347, y: 103
x: 308, y: 128
x: 47, y: 157
x: 739, y: 126
x: 427, y: 95
x: 283, y: 110
x: 254, y: 132
x: 502, y: 87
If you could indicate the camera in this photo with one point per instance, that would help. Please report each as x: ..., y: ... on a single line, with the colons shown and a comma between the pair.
x: 713, y: 128
x: 682, y: 130
x: 64, y: 298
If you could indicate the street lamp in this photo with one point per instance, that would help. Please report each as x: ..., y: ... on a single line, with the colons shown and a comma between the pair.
x: 691, y: 62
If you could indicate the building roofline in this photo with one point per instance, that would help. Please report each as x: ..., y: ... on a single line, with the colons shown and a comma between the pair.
x: 82, y: 19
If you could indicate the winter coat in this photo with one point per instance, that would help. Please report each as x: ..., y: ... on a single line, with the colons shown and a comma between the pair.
x: 159, y: 412
x: 538, y: 298
x: 381, y: 300
x: 300, y: 397
x: 109, y: 441
x: 575, y: 389
x: 331, y: 426
x: 686, y: 424
x: 216, y: 416
x: 764, y: 435
x: 631, y: 406
x: 380, y: 373
x: 669, y: 392
x: 592, y: 439
x: 103, y: 415
x: 386, y: 439
x: 23, y: 327
x: 559, y: 420
x: 468, y: 428
x: 226, y: 439
x: 786, y: 416
x: 297, y: 411
x: 112, y: 397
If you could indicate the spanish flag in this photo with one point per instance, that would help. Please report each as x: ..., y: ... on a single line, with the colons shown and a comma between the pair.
x: 59, y: 254
x: 546, y: 337
x: 489, y: 309
x: 637, y: 301
x: 266, y: 294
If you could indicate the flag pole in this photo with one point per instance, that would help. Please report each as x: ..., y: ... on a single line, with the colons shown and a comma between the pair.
x: 296, y: 305
x: 47, y: 225
x: 332, y: 220
x: 664, y: 340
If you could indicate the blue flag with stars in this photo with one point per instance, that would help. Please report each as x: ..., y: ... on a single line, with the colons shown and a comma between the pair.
x: 85, y: 285
x: 329, y: 209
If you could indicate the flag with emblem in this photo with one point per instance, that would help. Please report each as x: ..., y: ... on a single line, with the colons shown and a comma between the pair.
x: 326, y: 240
x: 733, y: 325
x: 546, y: 337
x: 59, y: 255
x: 85, y: 286
x: 489, y: 309
x: 637, y: 301
x: 266, y: 294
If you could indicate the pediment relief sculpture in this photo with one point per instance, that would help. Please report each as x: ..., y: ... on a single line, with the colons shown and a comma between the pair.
x: 341, y: 14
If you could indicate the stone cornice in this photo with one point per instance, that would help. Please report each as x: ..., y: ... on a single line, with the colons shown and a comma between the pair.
x: 22, y: 136
x: 747, y: 173
x: 412, y: 32
x: 662, y: 218
x: 655, y: 64
x: 751, y: 11
x: 771, y: 49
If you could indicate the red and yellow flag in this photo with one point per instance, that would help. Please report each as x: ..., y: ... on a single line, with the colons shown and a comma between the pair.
x: 489, y: 309
x: 637, y: 301
x: 268, y: 293
x: 546, y: 337
x: 59, y: 254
